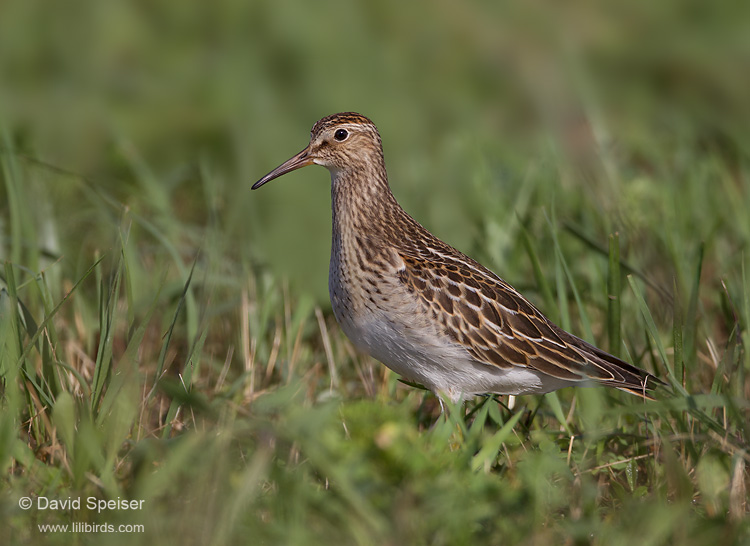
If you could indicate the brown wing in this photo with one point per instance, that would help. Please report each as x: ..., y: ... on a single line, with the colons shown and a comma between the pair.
x: 499, y: 327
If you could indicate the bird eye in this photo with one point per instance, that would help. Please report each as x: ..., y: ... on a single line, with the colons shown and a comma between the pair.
x: 340, y: 134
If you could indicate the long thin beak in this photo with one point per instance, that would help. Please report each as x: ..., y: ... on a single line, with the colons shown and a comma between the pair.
x: 300, y: 160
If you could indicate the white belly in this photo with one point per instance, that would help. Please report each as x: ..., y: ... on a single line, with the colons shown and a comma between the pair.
x: 413, y: 346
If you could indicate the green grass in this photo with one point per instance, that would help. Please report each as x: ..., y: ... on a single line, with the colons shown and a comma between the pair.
x: 165, y: 334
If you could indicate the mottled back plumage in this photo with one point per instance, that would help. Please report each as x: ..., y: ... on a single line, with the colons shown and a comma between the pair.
x: 423, y: 308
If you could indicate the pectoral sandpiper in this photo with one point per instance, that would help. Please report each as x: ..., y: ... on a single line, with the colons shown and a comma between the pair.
x: 424, y: 309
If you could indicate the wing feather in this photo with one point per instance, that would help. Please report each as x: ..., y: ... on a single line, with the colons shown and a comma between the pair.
x: 499, y: 327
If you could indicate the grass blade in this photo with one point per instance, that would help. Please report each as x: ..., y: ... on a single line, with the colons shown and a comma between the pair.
x: 614, y: 290
x: 654, y: 334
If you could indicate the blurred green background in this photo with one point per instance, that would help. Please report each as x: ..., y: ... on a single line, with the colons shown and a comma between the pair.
x: 474, y: 101
x: 525, y: 133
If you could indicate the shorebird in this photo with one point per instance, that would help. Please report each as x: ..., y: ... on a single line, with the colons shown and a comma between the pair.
x: 427, y: 311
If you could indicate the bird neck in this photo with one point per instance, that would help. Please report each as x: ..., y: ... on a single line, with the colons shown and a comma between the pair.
x: 361, y: 199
